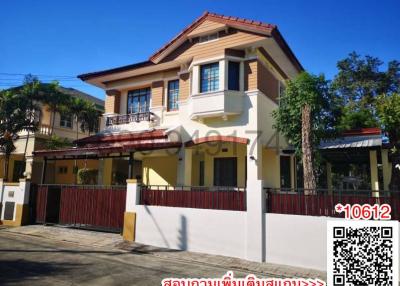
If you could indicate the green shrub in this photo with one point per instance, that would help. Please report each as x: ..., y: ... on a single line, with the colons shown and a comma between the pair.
x: 87, y: 176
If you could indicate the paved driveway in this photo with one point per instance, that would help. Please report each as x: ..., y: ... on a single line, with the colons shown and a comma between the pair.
x: 32, y: 260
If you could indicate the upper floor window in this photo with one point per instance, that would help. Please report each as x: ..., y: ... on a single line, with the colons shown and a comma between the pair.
x: 207, y: 38
x: 139, y: 100
x: 233, y: 75
x: 173, y: 95
x: 209, y: 77
x: 66, y: 121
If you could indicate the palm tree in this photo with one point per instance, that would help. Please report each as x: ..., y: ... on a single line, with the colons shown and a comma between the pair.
x: 14, y: 109
x: 56, y: 102
x: 76, y: 108
x: 31, y: 90
x: 90, y: 118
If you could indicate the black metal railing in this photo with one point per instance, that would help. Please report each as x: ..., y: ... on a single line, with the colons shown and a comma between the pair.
x: 128, y: 118
x: 220, y: 198
x: 322, y: 202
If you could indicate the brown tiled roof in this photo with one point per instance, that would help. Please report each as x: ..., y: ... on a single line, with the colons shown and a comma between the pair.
x: 229, y: 20
x: 104, y: 137
x: 104, y: 144
x: 90, y: 75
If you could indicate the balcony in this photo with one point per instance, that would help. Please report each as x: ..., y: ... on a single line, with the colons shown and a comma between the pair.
x: 129, y: 118
x: 215, y: 104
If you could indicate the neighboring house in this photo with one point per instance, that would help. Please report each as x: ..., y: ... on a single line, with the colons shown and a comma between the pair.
x: 358, y: 159
x: 64, y: 127
x: 211, y: 91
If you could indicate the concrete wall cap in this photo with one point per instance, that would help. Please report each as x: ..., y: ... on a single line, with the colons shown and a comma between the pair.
x: 131, y: 181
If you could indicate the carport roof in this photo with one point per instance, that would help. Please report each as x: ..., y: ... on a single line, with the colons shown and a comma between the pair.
x: 102, y: 144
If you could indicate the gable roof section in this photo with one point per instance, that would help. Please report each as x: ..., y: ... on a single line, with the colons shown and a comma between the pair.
x: 234, y: 22
x: 259, y: 27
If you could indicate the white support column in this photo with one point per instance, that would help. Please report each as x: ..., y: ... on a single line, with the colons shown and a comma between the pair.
x: 195, y: 80
x: 255, y: 235
x: 184, y: 168
x: 132, y: 195
x: 386, y: 169
x: 255, y: 200
x: 132, y: 200
x: 223, y: 75
x: 28, y: 167
x: 23, y: 197
x: 373, y: 164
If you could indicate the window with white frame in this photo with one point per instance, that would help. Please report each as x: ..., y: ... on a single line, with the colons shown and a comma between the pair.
x: 139, y: 100
x: 65, y: 121
x: 209, y: 77
x: 173, y: 95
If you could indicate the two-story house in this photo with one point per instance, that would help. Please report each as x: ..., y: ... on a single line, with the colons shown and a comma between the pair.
x: 198, y: 111
x: 60, y: 125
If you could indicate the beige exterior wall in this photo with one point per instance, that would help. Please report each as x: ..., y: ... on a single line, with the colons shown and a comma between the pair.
x: 250, y: 75
x: 69, y: 177
x: 197, y: 51
x: 205, y: 27
x: 160, y: 170
x: 184, y: 86
x: 266, y: 82
x: 112, y: 104
x: 157, y: 93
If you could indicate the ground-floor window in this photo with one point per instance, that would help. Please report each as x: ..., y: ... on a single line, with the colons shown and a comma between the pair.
x: 225, y: 171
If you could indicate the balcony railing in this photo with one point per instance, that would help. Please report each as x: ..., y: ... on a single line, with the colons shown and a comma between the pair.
x: 44, y: 129
x: 128, y: 118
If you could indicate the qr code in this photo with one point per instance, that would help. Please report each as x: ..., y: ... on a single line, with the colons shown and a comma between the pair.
x: 363, y: 253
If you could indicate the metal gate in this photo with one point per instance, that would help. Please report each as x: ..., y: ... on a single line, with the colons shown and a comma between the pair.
x: 91, y: 207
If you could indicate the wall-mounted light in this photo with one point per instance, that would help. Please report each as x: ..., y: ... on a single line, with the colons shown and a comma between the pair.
x: 252, y: 158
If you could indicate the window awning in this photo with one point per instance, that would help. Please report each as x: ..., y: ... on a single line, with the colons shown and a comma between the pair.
x: 102, y: 144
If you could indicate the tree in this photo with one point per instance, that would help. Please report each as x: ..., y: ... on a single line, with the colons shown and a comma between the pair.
x: 358, y: 83
x: 306, y: 115
x: 77, y: 108
x: 14, y: 118
x: 388, y: 111
x: 56, y: 142
x: 31, y: 90
x: 90, y: 118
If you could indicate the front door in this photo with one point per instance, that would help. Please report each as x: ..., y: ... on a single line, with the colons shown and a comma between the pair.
x: 225, y: 172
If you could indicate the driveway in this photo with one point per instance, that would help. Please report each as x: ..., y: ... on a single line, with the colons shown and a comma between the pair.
x: 33, y: 260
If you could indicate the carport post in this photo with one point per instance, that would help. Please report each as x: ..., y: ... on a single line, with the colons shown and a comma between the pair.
x: 130, y: 169
x: 44, y: 167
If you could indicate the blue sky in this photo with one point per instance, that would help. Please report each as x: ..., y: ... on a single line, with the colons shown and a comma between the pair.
x: 67, y: 38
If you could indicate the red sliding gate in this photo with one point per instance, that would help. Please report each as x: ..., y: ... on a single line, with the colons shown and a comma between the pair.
x: 96, y: 207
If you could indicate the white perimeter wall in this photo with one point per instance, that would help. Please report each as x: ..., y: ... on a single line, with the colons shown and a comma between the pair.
x: 296, y: 240
x: 199, y: 230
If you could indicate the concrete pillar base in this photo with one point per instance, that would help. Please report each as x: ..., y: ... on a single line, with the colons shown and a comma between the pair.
x: 128, y: 233
x: 21, y: 216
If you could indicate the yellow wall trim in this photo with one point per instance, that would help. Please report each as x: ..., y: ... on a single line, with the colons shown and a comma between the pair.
x: 21, y: 216
x: 128, y: 233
